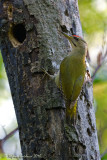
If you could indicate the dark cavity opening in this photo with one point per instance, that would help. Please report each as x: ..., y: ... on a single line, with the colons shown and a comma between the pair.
x: 89, y: 132
x: 19, y: 32
x: 64, y: 29
x: 66, y: 12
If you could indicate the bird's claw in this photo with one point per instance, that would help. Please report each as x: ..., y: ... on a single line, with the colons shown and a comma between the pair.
x: 46, y: 73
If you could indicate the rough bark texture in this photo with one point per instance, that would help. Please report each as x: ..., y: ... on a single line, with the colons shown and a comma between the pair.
x: 30, y: 41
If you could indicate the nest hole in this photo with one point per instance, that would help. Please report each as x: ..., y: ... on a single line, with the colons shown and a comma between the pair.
x: 19, y: 32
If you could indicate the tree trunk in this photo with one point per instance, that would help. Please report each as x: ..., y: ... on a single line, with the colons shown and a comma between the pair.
x: 29, y: 41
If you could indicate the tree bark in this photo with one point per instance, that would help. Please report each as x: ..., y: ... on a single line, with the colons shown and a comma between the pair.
x: 29, y: 41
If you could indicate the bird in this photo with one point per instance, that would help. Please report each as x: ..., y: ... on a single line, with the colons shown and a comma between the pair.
x: 71, y: 75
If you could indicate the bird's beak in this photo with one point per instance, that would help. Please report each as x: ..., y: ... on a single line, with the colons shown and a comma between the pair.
x: 70, y: 38
x: 67, y: 36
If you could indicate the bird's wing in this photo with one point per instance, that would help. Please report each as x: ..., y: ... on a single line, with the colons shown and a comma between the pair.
x: 66, y: 77
x: 71, y: 104
x: 77, y: 88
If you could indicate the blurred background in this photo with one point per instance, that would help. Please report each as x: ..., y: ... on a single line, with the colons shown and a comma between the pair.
x: 93, y: 15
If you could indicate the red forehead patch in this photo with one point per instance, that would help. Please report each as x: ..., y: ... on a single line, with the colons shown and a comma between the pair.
x: 76, y: 36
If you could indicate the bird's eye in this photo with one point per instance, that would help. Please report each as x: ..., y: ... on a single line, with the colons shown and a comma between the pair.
x: 76, y: 38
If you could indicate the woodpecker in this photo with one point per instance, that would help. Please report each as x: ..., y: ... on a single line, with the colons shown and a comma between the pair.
x: 70, y: 77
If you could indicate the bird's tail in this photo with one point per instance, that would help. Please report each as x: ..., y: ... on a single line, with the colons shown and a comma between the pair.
x: 71, y: 111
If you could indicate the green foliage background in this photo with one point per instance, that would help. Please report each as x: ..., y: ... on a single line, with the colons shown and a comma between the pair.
x: 2, y: 157
x: 94, y: 22
x: 92, y: 19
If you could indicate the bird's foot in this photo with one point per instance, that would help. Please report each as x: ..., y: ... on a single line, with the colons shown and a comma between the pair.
x: 46, y: 73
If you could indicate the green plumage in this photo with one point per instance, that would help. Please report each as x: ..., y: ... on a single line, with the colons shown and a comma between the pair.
x: 72, y: 72
x: 71, y: 77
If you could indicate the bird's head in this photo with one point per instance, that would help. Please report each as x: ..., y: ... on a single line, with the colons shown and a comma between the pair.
x: 76, y: 41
